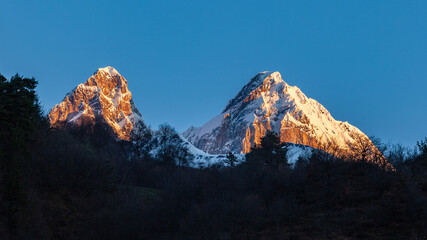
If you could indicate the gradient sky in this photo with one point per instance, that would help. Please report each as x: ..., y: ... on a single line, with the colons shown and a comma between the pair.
x: 365, y: 61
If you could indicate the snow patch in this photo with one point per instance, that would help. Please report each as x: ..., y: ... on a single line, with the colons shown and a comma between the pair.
x: 296, y: 151
x: 109, y: 70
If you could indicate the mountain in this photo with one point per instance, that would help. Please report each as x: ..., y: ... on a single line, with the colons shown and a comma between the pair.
x: 265, y: 103
x: 104, y: 96
x: 269, y: 103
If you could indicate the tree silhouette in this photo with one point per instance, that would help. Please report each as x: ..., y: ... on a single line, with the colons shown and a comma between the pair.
x: 231, y: 159
x: 141, y: 137
x: 171, y: 149
x: 269, y: 152
x: 20, y: 115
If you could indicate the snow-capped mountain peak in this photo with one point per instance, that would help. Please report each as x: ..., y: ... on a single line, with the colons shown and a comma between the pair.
x: 268, y: 103
x: 105, y: 95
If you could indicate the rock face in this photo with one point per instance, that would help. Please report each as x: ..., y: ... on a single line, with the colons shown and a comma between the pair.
x: 104, y: 96
x: 268, y: 103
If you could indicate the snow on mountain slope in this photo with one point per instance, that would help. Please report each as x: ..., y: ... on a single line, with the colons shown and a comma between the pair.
x: 104, y: 96
x: 202, y: 159
x: 267, y: 103
x: 175, y: 144
x: 298, y: 151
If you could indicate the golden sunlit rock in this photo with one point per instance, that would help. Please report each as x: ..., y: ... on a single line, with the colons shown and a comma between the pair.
x: 104, y: 95
x: 267, y: 103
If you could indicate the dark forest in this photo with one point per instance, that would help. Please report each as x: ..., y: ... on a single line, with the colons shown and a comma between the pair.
x: 81, y: 183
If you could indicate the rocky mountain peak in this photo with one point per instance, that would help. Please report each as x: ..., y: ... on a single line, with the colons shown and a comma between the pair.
x: 257, y: 82
x: 267, y: 103
x: 109, y: 70
x: 105, y: 95
x: 108, y: 80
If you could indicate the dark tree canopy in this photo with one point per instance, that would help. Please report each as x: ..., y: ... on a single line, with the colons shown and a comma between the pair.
x: 231, y: 159
x: 422, y: 146
x: 19, y: 105
x: 20, y: 115
x: 171, y: 149
x: 270, y: 151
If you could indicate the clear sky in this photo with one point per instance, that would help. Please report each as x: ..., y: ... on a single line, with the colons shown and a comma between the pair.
x: 365, y: 61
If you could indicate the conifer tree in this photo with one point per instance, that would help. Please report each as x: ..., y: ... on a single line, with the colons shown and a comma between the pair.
x: 269, y: 152
x: 20, y: 115
x: 231, y: 159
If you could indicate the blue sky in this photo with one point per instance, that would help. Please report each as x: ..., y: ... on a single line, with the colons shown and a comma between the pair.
x: 365, y: 61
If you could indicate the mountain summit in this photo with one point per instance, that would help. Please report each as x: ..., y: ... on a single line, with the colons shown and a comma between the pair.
x: 267, y: 103
x: 105, y: 96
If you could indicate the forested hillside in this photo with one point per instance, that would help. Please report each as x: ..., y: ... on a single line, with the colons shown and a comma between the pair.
x: 78, y: 182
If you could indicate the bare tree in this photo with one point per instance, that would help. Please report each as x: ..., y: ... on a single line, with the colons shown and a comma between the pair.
x: 141, y: 138
x: 171, y: 148
x: 363, y: 149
